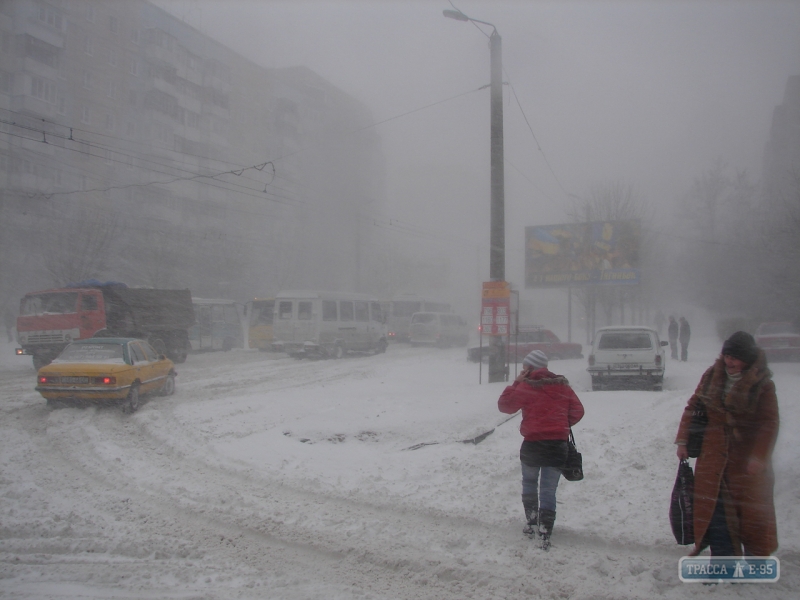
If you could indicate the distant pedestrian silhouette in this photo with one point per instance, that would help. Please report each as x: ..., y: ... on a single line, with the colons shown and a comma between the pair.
x: 683, y: 336
x: 672, y: 330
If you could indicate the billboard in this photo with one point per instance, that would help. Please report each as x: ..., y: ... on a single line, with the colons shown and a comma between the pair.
x: 573, y: 254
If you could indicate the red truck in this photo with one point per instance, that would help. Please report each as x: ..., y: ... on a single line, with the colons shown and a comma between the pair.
x: 50, y: 319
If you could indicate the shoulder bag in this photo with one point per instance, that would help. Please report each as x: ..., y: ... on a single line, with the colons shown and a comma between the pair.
x: 681, y: 512
x: 573, y: 468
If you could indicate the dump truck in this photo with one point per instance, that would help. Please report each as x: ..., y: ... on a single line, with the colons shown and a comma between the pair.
x: 50, y: 319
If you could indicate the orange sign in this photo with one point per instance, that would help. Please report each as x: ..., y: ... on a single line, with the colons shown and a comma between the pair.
x: 496, y: 308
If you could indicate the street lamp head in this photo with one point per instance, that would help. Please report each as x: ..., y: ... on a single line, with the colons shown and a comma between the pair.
x: 455, y: 14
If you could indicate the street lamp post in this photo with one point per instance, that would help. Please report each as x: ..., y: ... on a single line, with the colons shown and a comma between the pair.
x: 497, y: 227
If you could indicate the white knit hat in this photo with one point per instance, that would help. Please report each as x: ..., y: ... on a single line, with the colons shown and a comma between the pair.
x: 536, y: 359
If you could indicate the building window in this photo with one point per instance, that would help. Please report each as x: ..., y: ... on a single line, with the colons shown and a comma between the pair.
x: 88, y: 45
x: 43, y: 90
x: 90, y: 12
x: 133, y: 67
x: 112, y: 90
x: 50, y: 16
x: 85, y: 116
x: 112, y: 58
x: 110, y: 123
x: 62, y: 104
x: 113, y: 24
x: 87, y: 79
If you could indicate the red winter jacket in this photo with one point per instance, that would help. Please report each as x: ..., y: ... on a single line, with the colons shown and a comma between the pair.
x: 549, y: 406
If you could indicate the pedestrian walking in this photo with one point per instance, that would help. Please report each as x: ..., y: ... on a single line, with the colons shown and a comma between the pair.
x: 683, y: 336
x: 734, y: 512
x: 672, y: 331
x: 549, y: 409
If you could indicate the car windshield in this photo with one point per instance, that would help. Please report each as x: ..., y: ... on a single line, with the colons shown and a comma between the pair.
x: 625, y: 340
x: 91, y: 353
x: 776, y: 328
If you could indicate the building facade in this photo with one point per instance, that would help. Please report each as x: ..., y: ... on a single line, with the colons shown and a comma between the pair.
x: 134, y: 147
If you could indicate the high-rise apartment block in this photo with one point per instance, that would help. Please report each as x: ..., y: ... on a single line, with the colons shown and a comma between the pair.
x: 201, y: 168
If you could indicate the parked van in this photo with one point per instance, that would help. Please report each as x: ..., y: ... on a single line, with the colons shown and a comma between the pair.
x: 219, y: 325
x: 440, y: 329
x: 626, y: 357
x: 327, y: 324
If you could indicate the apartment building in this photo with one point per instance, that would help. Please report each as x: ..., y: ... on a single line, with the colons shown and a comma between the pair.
x: 204, y: 169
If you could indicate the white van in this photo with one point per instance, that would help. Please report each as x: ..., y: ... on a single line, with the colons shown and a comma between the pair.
x: 327, y: 324
x: 440, y: 329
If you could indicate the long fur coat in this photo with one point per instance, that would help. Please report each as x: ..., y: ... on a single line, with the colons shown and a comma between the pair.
x: 742, y: 425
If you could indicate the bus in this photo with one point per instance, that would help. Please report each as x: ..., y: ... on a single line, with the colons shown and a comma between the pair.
x: 260, y: 314
x: 403, y: 306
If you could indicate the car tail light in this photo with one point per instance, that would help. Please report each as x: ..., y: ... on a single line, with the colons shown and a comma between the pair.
x: 105, y: 380
x: 591, y: 360
x: 47, y: 379
x: 658, y: 360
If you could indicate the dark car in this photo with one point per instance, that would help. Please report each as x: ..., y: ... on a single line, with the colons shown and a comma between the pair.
x: 529, y: 339
x: 779, y: 340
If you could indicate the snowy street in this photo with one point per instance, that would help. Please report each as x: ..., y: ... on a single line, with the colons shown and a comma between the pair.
x: 269, y: 477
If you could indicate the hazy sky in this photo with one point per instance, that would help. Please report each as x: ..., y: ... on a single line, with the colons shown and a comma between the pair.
x: 648, y: 93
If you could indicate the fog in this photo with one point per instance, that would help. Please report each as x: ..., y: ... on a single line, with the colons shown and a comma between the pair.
x: 643, y: 97
x: 648, y: 93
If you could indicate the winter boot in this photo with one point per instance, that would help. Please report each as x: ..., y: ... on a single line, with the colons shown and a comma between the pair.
x: 531, y: 505
x: 547, y: 519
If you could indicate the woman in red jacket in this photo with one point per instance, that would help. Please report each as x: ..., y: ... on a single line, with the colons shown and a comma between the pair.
x: 549, y: 408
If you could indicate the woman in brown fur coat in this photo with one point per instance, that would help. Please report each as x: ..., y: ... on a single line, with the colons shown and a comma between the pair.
x: 733, y: 505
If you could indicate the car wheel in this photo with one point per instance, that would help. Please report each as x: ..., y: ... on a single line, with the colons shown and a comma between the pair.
x: 169, y: 385
x: 131, y: 404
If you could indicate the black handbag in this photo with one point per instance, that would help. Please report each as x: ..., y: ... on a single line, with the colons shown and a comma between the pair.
x: 681, y: 512
x: 697, y: 428
x: 573, y: 468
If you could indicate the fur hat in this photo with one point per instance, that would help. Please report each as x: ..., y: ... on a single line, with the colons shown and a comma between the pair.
x: 535, y: 360
x: 741, y: 345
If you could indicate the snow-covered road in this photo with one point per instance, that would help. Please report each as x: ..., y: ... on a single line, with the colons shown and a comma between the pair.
x: 267, y: 477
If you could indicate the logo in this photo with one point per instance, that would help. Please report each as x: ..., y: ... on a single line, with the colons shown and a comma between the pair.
x: 741, y: 569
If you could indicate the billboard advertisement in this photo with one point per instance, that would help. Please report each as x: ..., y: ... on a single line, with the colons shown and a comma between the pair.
x: 573, y: 254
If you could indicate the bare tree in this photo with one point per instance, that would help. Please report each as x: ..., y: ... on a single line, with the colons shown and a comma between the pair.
x: 79, y: 247
x: 612, y: 201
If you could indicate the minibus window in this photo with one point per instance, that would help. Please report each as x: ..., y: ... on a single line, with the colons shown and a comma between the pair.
x: 329, y: 312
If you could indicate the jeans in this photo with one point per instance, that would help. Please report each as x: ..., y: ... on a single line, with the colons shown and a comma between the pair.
x: 549, y: 482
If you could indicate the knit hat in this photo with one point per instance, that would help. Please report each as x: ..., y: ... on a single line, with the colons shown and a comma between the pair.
x: 536, y: 360
x: 741, y: 345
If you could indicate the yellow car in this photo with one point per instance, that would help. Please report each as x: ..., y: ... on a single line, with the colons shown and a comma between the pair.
x: 101, y: 369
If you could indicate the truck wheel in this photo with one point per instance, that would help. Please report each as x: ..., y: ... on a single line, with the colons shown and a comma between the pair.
x: 158, y: 345
x: 131, y: 404
x: 179, y: 355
